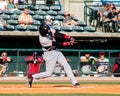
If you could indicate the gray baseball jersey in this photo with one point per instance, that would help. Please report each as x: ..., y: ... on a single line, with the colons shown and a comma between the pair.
x: 52, y: 55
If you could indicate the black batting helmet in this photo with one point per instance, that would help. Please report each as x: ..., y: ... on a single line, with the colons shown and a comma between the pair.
x: 44, y: 29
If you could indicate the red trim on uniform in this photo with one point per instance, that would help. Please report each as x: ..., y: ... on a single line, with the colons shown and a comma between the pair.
x: 67, y: 37
x: 115, y: 67
x: 66, y: 43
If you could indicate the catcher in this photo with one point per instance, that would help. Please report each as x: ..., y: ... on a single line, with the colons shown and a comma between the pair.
x: 48, y: 40
x: 4, y: 61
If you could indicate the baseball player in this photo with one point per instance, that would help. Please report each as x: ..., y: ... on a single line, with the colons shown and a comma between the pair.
x: 116, y: 67
x: 33, y: 63
x: 4, y: 60
x: 51, y: 54
x: 102, y: 66
x: 86, y: 63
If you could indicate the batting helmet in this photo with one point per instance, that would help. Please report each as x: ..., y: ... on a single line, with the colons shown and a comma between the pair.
x: 44, y: 29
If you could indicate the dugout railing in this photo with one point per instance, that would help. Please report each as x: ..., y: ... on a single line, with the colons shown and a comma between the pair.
x: 18, y: 65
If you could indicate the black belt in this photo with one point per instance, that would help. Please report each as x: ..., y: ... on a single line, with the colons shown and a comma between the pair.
x: 50, y: 48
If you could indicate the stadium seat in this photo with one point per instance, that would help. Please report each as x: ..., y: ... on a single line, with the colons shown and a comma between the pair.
x: 32, y: 28
x: 44, y: 8
x: 8, y: 12
x: 78, y: 28
x: 17, y: 12
x: 61, y: 13
x: 55, y: 8
x: 21, y: 7
x: 56, y: 28
x: 34, y: 7
x: 14, y: 17
x: 89, y: 29
x: 66, y: 28
x: 12, y: 22
x: 75, y: 18
x: 10, y: 27
x: 38, y: 17
x: 31, y: 12
x: 53, y: 13
x: 40, y: 12
x: 20, y: 28
x: 36, y: 22
x: 5, y: 16
x: 81, y: 23
x: 59, y: 17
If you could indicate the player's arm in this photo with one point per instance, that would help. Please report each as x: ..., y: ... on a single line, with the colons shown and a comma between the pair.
x: 70, y: 40
x: 40, y: 60
x: 6, y: 59
x: 83, y: 59
x: 66, y: 43
x: 29, y: 59
x: 61, y: 35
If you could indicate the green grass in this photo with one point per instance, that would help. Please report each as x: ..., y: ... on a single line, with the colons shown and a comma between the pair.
x: 59, y: 94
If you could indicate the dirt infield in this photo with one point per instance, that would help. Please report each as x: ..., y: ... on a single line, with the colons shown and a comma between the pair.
x: 59, y: 88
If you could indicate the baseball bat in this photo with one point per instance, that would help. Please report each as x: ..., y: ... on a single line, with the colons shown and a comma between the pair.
x: 93, y: 40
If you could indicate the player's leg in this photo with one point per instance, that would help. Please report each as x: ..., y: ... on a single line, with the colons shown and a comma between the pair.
x: 50, y: 60
x: 3, y: 69
x: 67, y: 68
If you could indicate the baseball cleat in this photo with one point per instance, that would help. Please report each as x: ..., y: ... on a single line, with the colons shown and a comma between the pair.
x: 76, y: 85
x: 29, y: 81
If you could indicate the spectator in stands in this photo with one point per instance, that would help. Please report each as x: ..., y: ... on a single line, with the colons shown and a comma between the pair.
x: 103, y: 12
x: 48, y: 20
x: 25, y: 18
x: 111, y: 6
x: 33, y: 2
x: 49, y: 2
x: 3, y: 24
x: 117, y: 23
x: 86, y: 63
x: 68, y: 21
x: 15, y: 3
x: 4, y: 61
x: 102, y: 65
x: 3, y: 5
x: 110, y: 20
x: 94, y: 17
x: 11, y: 5
x: 57, y: 23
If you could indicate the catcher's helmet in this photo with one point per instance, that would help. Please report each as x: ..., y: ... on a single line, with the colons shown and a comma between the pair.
x: 44, y: 29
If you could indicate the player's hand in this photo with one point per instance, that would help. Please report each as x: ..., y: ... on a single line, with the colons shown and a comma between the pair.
x: 72, y: 41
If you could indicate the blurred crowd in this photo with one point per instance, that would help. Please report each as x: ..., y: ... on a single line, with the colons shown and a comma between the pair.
x: 107, y: 16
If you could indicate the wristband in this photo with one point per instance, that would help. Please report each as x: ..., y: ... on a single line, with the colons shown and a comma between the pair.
x: 67, y: 37
x: 66, y: 43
